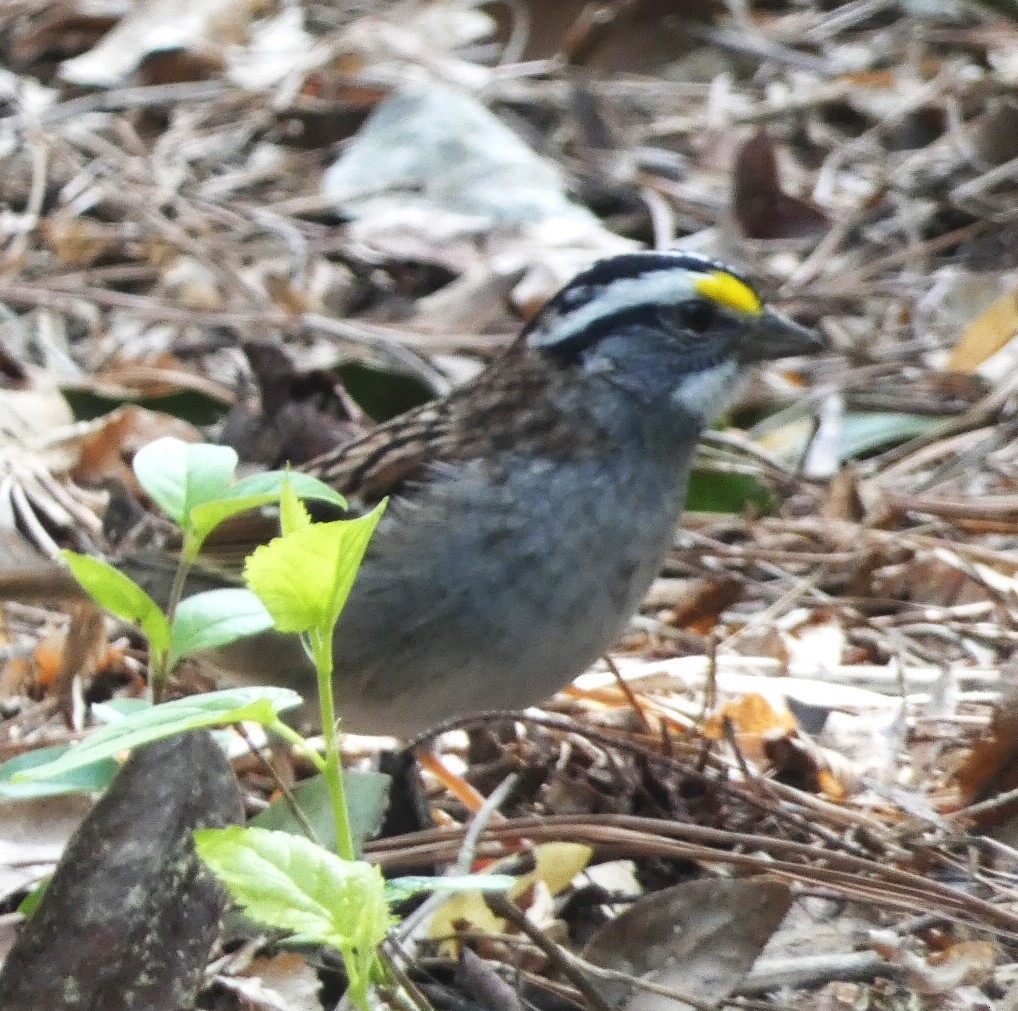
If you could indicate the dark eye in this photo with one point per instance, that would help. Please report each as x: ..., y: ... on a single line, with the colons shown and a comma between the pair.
x: 697, y: 315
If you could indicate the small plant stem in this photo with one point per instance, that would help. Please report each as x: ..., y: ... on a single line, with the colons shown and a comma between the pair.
x: 292, y: 737
x: 321, y: 653
x: 159, y: 672
x: 291, y: 801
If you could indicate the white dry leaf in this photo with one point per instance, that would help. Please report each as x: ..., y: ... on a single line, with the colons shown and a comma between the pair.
x: 868, y: 744
x: 191, y: 284
x: 820, y: 643
x: 452, y: 25
x: 1003, y: 61
x: 33, y: 421
x: 153, y: 26
x: 422, y: 47
x: 432, y: 165
x: 438, y: 147
x: 279, y: 47
x: 39, y: 444
x: 823, y: 458
x: 30, y: 98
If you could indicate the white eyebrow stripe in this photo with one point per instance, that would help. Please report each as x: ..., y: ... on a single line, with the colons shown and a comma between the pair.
x: 658, y: 287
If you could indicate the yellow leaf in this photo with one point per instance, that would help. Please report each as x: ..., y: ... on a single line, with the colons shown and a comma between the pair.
x: 557, y: 863
x: 464, y: 911
x: 986, y: 334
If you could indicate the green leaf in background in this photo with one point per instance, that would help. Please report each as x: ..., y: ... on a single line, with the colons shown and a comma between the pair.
x: 367, y: 797
x: 30, y: 903
x: 864, y: 432
x: 181, y: 475
x: 711, y: 492
x: 401, y: 889
x: 93, y: 779
x: 214, y: 709
x: 216, y: 618
x: 120, y: 595
x: 288, y: 882
x: 861, y: 433
x: 305, y: 577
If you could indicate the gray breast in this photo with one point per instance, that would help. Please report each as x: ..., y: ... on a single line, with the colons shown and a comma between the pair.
x: 494, y: 590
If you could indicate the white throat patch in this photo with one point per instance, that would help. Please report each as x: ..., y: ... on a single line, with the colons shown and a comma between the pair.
x: 707, y: 393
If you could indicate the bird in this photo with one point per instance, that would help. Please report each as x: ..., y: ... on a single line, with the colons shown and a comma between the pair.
x: 530, y: 508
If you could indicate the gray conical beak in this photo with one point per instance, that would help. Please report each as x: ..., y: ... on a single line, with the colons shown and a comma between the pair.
x: 775, y: 336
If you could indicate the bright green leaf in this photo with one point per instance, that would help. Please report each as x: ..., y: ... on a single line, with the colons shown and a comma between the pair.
x: 216, y: 618
x: 214, y: 709
x: 252, y: 493
x: 30, y: 903
x: 293, y: 515
x: 290, y: 883
x: 120, y: 595
x: 181, y: 475
x: 93, y: 779
x: 305, y: 577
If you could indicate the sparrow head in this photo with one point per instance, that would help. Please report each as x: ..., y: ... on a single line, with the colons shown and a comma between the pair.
x: 666, y: 324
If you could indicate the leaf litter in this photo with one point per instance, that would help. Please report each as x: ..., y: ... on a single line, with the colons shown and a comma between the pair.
x: 819, y: 689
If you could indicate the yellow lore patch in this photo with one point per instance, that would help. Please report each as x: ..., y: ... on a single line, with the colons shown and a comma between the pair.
x: 727, y: 290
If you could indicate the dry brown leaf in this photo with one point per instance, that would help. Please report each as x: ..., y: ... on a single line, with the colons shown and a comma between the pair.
x: 106, y: 453
x: 699, y: 938
x: 75, y: 240
x: 753, y: 719
x: 282, y: 983
x: 968, y: 963
x: 700, y: 610
x: 992, y: 763
x: 762, y: 209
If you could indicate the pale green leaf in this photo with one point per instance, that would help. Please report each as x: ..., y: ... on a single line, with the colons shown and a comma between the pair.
x: 216, y: 618
x: 207, y: 516
x: 214, y: 709
x: 181, y: 475
x: 93, y: 779
x: 367, y: 799
x: 270, y: 482
x: 400, y: 889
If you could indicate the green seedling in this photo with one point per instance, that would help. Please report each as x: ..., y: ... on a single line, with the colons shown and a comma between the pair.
x: 290, y: 883
x: 297, y: 584
x: 304, y: 578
